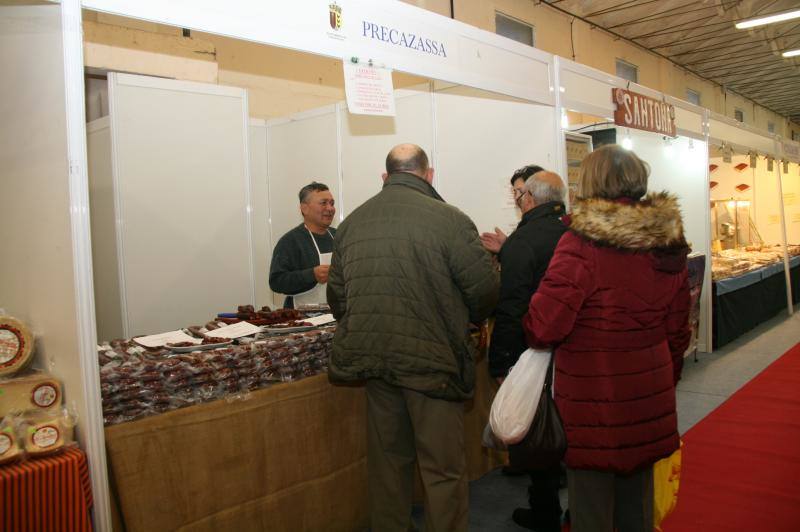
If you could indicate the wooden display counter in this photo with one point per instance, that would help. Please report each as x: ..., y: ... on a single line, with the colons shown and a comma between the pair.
x: 290, y: 457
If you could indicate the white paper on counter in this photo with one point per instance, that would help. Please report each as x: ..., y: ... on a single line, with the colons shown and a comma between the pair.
x: 236, y: 330
x: 319, y: 320
x: 171, y: 337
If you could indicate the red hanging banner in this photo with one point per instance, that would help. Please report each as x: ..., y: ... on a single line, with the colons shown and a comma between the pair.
x: 638, y: 111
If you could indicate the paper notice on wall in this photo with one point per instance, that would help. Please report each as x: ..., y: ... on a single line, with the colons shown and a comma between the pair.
x: 773, y: 219
x: 171, y: 337
x: 369, y: 89
x: 789, y: 198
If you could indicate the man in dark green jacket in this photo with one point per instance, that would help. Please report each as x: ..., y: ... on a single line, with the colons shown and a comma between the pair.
x: 408, y: 275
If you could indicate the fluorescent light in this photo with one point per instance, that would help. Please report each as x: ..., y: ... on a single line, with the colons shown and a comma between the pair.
x: 627, y: 143
x: 791, y: 53
x: 769, y: 19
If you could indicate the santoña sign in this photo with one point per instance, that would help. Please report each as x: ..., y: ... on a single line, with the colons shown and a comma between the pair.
x: 370, y: 30
x: 638, y: 111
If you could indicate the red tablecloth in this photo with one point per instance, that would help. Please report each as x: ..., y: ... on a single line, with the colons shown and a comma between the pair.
x: 48, y: 493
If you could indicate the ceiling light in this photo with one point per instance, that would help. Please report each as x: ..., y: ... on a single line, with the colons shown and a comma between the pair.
x: 769, y: 19
x: 791, y: 53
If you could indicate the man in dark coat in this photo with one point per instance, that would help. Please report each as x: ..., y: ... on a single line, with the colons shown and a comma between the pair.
x: 408, y: 276
x: 524, y: 258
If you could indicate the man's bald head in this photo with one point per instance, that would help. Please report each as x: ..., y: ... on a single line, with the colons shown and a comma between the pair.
x: 408, y: 158
x: 545, y: 186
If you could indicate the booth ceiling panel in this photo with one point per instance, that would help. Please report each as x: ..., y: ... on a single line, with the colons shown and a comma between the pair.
x: 701, y: 37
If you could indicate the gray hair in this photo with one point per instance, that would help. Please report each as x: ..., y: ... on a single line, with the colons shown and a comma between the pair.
x: 544, y: 191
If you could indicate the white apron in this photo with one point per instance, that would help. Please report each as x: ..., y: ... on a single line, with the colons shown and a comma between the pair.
x: 316, y: 295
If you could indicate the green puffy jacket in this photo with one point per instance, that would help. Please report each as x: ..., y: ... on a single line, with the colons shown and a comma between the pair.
x: 407, y: 277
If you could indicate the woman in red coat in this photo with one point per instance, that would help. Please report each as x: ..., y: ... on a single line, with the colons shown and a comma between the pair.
x: 614, y: 305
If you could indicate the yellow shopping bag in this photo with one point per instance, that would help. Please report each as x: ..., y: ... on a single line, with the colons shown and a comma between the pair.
x: 666, y: 480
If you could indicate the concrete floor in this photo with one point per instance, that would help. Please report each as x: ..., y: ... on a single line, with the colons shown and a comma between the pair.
x: 705, y: 385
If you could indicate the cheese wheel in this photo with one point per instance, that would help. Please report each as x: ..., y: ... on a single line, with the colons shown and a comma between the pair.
x: 31, y: 392
x: 16, y: 346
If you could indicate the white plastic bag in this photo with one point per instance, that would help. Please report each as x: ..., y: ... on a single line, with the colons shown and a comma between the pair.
x: 515, y: 404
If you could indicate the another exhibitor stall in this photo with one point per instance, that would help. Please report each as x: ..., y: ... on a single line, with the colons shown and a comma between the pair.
x: 751, y: 254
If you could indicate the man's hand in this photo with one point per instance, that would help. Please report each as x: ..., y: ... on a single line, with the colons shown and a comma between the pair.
x: 493, y: 241
x: 321, y: 273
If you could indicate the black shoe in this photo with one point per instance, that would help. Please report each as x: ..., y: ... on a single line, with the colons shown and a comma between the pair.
x: 525, y: 518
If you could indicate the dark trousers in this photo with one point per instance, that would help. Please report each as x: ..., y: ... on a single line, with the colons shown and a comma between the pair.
x: 602, y: 502
x: 543, y: 499
x: 404, y: 426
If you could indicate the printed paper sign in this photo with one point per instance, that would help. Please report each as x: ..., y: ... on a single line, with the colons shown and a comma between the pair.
x: 236, y: 330
x: 369, y: 89
x: 320, y: 320
x: 171, y: 337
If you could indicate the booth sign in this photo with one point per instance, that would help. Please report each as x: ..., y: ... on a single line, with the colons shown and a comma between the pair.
x: 638, y: 111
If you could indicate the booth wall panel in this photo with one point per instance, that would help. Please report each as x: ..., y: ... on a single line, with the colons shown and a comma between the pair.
x: 681, y: 170
x: 580, y: 91
x: 730, y: 133
x: 105, y: 263
x: 37, y: 276
x: 301, y: 150
x: 688, y: 120
x: 260, y: 213
x: 728, y: 178
x: 366, y: 140
x: 791, y: 203
x: 183, y: 183
x: 480, y: 140
x: 767, y: 214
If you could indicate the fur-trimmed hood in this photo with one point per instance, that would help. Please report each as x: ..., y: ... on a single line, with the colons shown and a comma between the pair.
x: 653, y: 223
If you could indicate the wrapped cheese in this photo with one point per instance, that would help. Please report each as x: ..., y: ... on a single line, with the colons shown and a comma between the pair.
x: 9, y: 446
x: 16, y: 345
x: 45, y: 433
x: 36, y: 391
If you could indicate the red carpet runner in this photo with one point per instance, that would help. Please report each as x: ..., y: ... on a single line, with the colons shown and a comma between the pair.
x: 741, y: 464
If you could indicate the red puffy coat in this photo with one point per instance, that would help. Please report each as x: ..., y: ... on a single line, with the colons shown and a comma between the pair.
x: 614, y: 303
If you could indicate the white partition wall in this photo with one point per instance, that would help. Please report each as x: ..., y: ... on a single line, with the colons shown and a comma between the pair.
x: 791, y: 202
x: 260, y: 213
x: 766, y: 203
x: 45, y: 276
x: 301, y: 149
x: 680, y: 168
x: 366, y: 140
x: 180, y: 181
x: 481, y: 138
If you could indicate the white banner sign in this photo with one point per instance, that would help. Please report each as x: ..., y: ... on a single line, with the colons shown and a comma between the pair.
x: 369, y: 89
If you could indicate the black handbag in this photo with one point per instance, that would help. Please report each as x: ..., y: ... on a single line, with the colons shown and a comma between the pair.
x: 545, y: 443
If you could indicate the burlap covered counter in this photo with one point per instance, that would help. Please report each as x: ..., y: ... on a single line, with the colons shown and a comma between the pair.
x: 290, y: 457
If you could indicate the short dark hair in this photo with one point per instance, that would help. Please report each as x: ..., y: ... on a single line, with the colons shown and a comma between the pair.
x: 525, y: 172
x: 415, y: 164
x: 311, y: 187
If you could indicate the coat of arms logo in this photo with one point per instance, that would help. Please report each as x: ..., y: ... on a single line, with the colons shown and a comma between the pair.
x: 335, y: 12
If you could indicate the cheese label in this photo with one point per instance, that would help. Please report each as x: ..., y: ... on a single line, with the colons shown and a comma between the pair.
x: 45, y: 437
x: 11, y: 344
x: 45, y: 395
x: 5, y: 443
